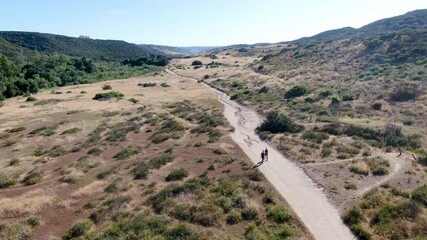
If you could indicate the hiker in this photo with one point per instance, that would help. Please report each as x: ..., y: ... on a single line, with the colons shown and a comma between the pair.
x: 266, y: 154
x: 262, y: 156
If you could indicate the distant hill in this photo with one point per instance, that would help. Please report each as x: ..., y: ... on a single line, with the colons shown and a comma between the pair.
x: 177, y: 51
x: 411, y: 21
x: 12, y: 43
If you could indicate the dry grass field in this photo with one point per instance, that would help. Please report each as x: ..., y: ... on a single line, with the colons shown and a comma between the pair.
x: 155, y: 163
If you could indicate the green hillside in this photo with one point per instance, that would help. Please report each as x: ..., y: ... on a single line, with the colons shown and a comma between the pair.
x: 111, y: 50
x: 33, y: 61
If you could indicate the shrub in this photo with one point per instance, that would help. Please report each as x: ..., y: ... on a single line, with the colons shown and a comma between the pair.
x: 17, y: 129
x: 133, y: 100
x: 335, y: 100
x: 6, y: 181
x: 278, y: 214
x: 106, y: 87
x: 150, y: 84
x: 233, y: 218
x: 71, y: 131
x: 252, y: 232
x: 377, y: 106
x: 33, y: 177
x: 353, y: 216
x: 31, y: 99
x: 420, y: 195
x: 255, y: 175
x: 350, y: 186
x: 360, y: 232
x: 164, y: 85
x: 405, y: 93
x: 108, y: 95
x: 48, y: 101
x: 379, y: 166
x: 106, y: 173
x: 207, y: 214
x: 326, y: 152
x: 56, y: 151
x: 296, y: 91
x: 183, y: 231
x: 277, y: 123
x: 127, y: 152
x: 177, y: 174
x: 325, y: 93
x: 196, y: 63
x: 94, y: 151
x: 249, y: 213
x: 268, y: 198
x: 348, y: 98
x: 78, y: 230
x: 315, y: 137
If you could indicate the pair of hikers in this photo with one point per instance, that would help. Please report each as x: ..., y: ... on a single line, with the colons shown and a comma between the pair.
x: 264, y: 155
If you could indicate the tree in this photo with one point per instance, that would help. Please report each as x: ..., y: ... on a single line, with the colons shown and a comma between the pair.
x: 196, y: 63
x: 277, y: 122
x: 7, y: 70
x: 393, y: 135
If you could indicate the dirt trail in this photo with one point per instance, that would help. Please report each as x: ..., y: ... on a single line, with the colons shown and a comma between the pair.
x: 303, y: 195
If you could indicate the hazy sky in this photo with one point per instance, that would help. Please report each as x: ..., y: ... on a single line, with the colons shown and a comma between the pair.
x: 196, y: 22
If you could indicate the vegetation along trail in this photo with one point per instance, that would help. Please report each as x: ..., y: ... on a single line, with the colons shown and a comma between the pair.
x: 303, y: 195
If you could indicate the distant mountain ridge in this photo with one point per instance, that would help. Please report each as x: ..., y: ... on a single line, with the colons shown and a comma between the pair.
x: 12, y: 42
x: 411, y: 21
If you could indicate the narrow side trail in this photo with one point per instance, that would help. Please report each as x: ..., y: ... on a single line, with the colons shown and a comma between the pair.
x: 303, y: 195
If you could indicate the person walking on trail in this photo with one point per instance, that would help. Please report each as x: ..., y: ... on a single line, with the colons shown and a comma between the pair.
x: 262, y: 156
x: 266, y: 154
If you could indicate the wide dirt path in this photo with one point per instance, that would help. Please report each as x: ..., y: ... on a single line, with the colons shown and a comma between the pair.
x: 303, y: 195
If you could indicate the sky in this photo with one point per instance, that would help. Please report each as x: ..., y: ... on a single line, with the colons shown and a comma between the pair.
x: 196, y: 22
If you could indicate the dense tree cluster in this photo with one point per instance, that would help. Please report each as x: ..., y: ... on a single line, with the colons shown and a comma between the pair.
x: 156, y: 60
x: 43, y: 71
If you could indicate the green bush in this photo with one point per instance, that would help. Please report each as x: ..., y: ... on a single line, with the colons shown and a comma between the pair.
x: 348, y: 98
x: 233, y: 218
x: 6, y: 181
x: 108, y: 95
x: 404, y: 93
x: 177, y: 175
x: 164, y: 85
x: 360, y: 232
x: 278, y: 214
x: 78, y: 230
x: 316, y: 137
x: 325, y: 93
x: 133, y: 100
x: 277, y: 123
x: 33, y: 177
x: 196, y: 63
x: 127, y: 152
x: 353, y: 216
x: 71, y: 131
x: 31, y: 99
x: 296, y: 91
x: 255, y: 175
x: 377, y: 106
x: 420, y: 195
x: 150, y: 84
x: 17, y: 129
x: 184, y: 232
x: 249, y: 213
x: 106, y: 87
x: 379, y: 166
